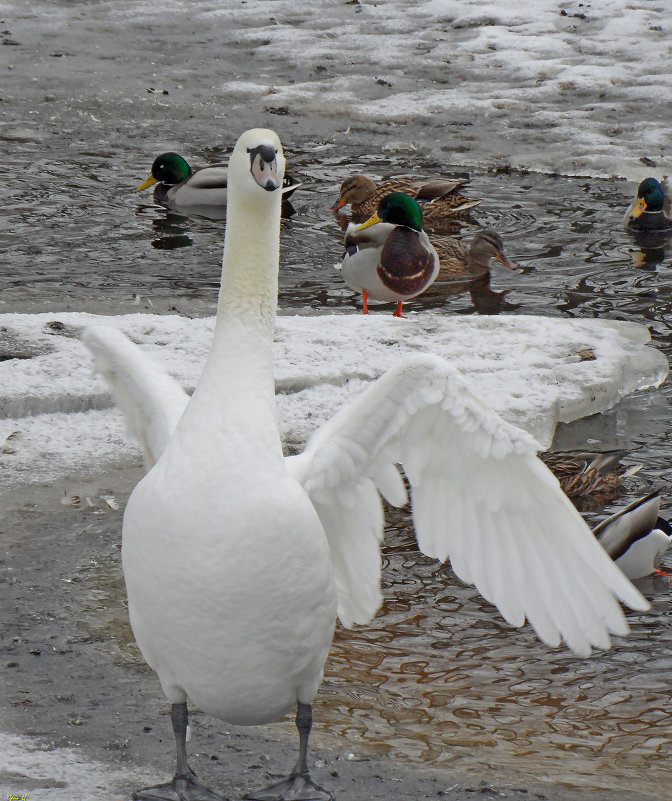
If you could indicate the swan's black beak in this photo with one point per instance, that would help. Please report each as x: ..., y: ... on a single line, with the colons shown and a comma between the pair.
x: 264, y: 167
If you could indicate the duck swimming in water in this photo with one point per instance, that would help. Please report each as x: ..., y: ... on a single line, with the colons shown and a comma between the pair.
x: 176, y: 184
x: 441, y: 201
x: 651, y: 209
x: 459, y: 263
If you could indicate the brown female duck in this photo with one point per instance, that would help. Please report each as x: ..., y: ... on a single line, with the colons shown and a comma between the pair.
x: 440, y: 200
x: 459, y: 263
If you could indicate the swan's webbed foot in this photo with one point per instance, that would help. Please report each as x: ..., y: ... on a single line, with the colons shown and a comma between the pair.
x: 182, y: 788
x: 296, y: 787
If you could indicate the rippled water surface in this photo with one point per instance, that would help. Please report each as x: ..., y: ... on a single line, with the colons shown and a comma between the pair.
x: 438, y: 678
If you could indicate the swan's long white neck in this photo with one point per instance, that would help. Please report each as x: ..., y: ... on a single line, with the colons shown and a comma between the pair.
x: 240, y: 362
x: 249, y: 287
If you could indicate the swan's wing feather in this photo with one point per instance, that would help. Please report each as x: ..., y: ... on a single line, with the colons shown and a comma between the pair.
x: 480, y: 497
x: 152, y: 401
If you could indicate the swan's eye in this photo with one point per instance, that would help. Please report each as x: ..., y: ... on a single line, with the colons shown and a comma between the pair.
x: 264, y: 167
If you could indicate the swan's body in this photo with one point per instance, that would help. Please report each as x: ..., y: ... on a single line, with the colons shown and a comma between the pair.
x: 237, y: 560
x: 636, y: 537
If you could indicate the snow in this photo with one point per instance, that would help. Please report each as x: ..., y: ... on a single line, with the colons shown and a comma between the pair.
x: 461, y: 79
x: 535, y: 371
x: 40, y: 772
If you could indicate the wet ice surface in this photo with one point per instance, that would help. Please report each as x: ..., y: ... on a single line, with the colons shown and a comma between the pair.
x: 60, y: 774
x: 55, y: 415
x: 475, y: 88
x: 575, y: 87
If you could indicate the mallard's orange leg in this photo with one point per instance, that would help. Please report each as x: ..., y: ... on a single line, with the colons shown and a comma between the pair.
x: 365, y: 297
x: 397, y: 312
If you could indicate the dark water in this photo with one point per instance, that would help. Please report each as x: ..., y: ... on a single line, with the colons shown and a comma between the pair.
x: 437, y: 678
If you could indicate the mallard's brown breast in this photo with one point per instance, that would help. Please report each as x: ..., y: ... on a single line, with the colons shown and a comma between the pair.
x: 405, y: 267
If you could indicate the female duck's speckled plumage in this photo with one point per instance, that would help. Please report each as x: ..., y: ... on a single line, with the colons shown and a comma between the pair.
x: 462, y: 263
x: 441, y: 202
x: 588, y: 474
x: 651, y: 210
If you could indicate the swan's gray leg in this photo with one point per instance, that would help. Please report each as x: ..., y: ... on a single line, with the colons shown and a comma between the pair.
x: 179, y: 717
x: 184, y: 786
x: 304, y: 723
x: 298, y: 786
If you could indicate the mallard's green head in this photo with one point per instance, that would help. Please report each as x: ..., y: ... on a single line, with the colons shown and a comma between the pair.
x: 168, y: 168
x: 398, y: 209
x: 651, y: 193
x: 401, y: 209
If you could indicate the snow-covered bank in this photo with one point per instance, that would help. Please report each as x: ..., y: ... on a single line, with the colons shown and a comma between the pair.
x: 576, y: 88
x: 534, y: 371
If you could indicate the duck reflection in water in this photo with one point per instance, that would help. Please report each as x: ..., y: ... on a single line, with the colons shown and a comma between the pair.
x: 652, y: 248
x: 173, y: 232
x: 173, y: 229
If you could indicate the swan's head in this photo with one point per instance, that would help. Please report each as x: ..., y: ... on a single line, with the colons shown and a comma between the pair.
x: 257, y: 164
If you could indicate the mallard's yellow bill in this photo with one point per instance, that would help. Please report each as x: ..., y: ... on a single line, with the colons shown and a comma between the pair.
x: 147, y: 182
x: 637, y: 209
x: 371, y: 221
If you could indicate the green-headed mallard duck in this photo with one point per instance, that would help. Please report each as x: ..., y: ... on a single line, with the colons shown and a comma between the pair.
x: 459, y: 263
x: 651, y: 210
x: 180, y: 185
x: 389, y: 257
x: 441, y: 202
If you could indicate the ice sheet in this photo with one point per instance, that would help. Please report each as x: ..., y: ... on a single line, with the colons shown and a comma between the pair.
x: 535, y: 371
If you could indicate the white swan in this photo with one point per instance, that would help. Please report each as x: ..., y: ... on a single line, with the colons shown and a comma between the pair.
x: 237, y: 560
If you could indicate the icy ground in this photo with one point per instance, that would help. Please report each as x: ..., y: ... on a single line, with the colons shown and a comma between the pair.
x: 569, y: 87
x: 535, y: 371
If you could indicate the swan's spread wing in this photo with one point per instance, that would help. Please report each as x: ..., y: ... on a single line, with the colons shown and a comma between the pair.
x: 480, y: 496
x: 151, y: 400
